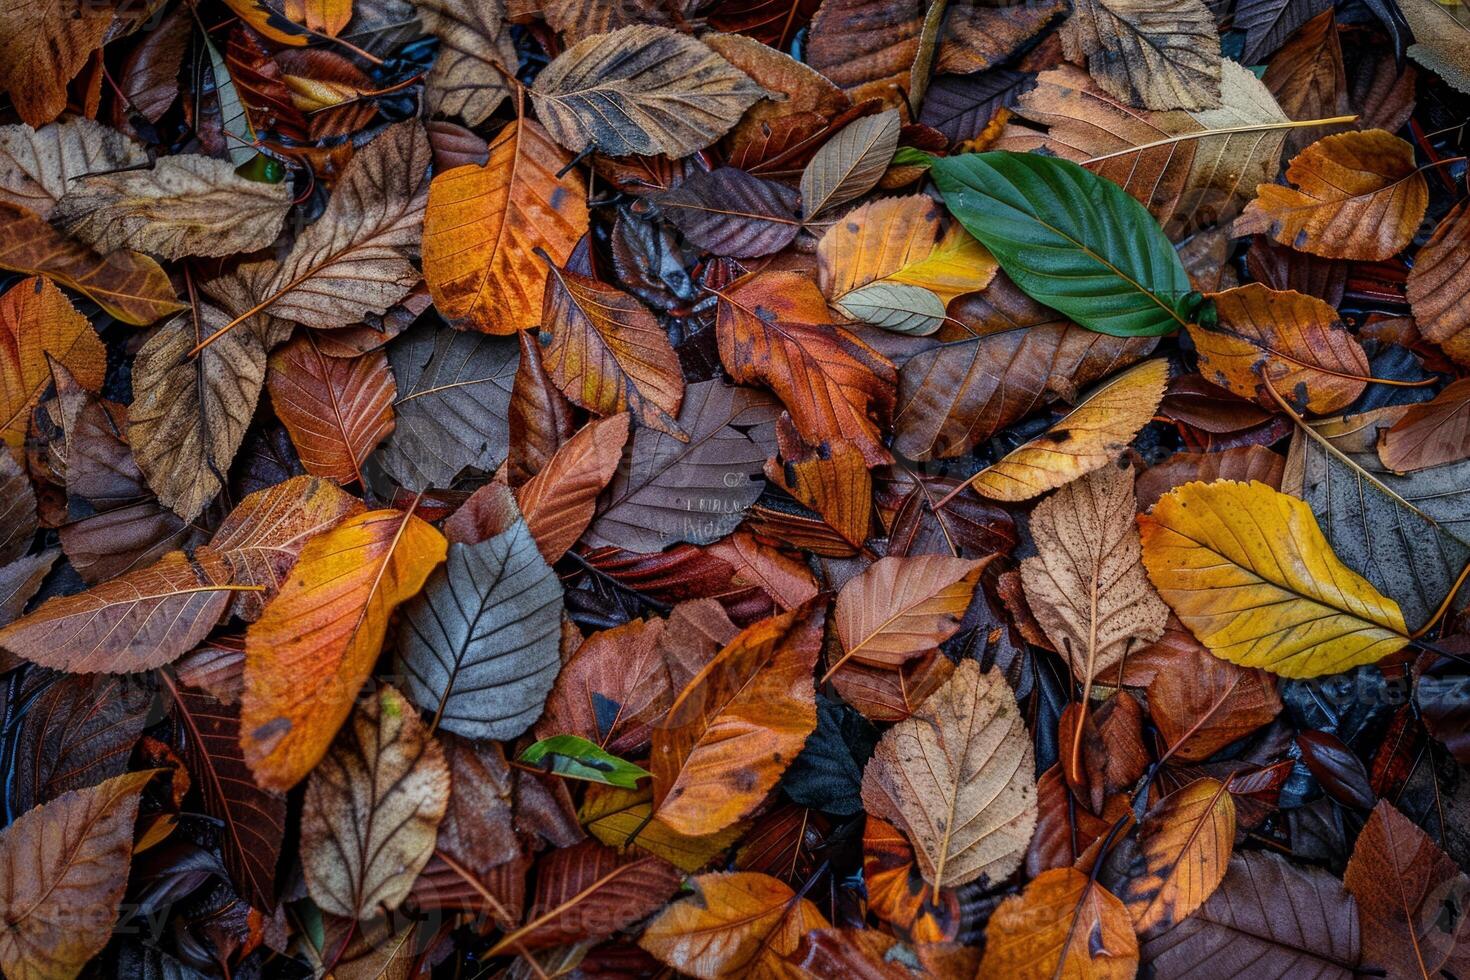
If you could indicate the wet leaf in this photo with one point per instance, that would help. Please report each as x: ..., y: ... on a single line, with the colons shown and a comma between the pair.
x: 1184, y: 845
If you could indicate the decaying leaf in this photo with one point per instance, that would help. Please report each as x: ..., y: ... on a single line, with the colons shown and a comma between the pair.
x: 1152, y: 55
x: 902, y: 607
x: 1184, y: 846
x: 969, y: 809
x: 337, y: 409
x: 372, y: 809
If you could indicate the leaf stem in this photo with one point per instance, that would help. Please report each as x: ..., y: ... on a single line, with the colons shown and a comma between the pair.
x: 1226, y: 131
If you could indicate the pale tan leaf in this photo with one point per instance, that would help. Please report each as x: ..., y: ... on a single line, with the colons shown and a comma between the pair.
x: 957, y: 777
x: 475, y: 55
x: 185, y: 205
x: 39, y: 166
x: 1154, y: 54
x: 372, y: 809
x: 849, y: 164
x: 1086, y: 584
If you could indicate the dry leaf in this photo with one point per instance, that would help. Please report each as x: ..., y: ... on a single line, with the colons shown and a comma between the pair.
x: 1088, y: 438
x: 41, y: 165
x: 42, y: 47
x: 1357, y: 196
x: 1431, y: 433
x: 641, y: 89
x: 372, y: 809
x: 558, y: 501
x: 316, y: 643
x: 38, y: 325
x: 185, y: 205
x: 1183, y: 847
x: 1436, y: 287
x: 849, y: 164
x: 867, y: 47
x: 1154, y: 55
x: 899, y: 608
x: 1063, y: 925
x: 476, y: 53
x: 970, y: 807
x: 1086, y: 584
x: 484, y: 223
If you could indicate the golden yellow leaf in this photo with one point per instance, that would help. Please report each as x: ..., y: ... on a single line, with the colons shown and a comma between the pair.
x: 1063, y: 925
x: 309, y: 653
x: 483, y: 225
x: 1184, y: 846
x: 624, y: 818
x: 1248, y: 570
x: 1090, y: 436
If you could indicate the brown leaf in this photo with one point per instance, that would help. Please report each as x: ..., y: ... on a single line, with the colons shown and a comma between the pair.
x: 774, y: 329
x: 1183, y: 846
x: 39, y: 165
x: 138, y: 621
x: 970, y: 808
x: 1401, y: 881
x: 738, y: 724
x: 608, y: 354
x: 337, y: 409
x: 900, y: 608
x: 735, y: 925
x: 1065, y: 827
x: 729, y: 212
x: 1307, y: 77
x: 61, y: 859
x: 977, y: 38
x: 834, y: 482
x: 316, y: 643
x: 1242, y: 463
x: 262, y: 537
x: 1200, y: 703
x: 185, y: 205
x: 540, y: 417
x: 131, y: 287
x: 42, y: 47
x: 641, y: 89
x: 372, y: 809
x: 897, y: 891
x: 1436, y: 287
x: 190, y: 412
x: 867, y: 47
x: 1012, y: 356
x: 1154, y: 55
x: 1357, y: 196
x: 613, y: 687
x: 849, y: 164
x: 476, y: 53
x: 558, y: 501
x: 1086, y: 584
x: 1430, y: 433
x: 1063, y: 924
x: 484, y: 223
x: 588, y: 892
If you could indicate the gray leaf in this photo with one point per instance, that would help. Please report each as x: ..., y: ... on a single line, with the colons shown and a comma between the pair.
x: 481, y: 645
x: 1408, y: 535
x: 453, y: 404
x: 697, y: 491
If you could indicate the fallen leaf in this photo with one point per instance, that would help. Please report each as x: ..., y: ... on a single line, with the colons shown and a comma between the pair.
x: 185, y: 205
x: 372, y: 809
x: 899, y: 608
x: 131, y: 287
x: 1150, y: 55
x: 481, y: 646
x: 867, y: 47
x: 1439, y: 300
x: 69, y: 855
x: 1357, y: 196
x: 641, y: 89
x: 624, y: 819
x: 1086, y: 584
x: 969, y: 810
x: 310, y: 652
x: 1247, y: 569
x: 40, y: 165
x: 1439, y: 37
x: 1307, y: 77
x: 1240, y: 463
x: 608, y: 354
x: 1063, y: 925
x: 476, y: 53
x: 729, y: 212
x: 1431, y: 433
x: 1297, y: 344
x: 738, y: 724
x: 1184, y: 845
x: 1086, y: 439
x: 1200, y: 703
x: 558, y: 502
x: 337, y: 409
x: 42, y: 47
x: 849, y: 164
x: 774, y: 328
x: 736, y: 924
x: 484, y: 223
x: 189, y: 413
x: 38, y: 324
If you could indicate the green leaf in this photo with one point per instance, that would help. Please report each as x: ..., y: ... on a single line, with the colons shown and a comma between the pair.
x: 1071, y: 240
x: 576, y: 758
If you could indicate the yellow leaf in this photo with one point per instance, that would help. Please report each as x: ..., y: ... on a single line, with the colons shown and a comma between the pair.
x: 316, y: 643
x: 1184, y: 846
x: 1248, y: 570
x: 1089, y: 437
x: 624, y: 818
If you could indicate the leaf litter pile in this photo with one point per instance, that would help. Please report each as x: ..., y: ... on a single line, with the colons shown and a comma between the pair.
x: 734, y: 488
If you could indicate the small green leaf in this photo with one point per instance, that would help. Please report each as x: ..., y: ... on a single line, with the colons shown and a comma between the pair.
x: 1070, y: 239
x: 576, y: 758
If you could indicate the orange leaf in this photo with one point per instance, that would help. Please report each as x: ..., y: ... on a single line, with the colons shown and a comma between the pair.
x: 897, y: 891
x: 337, y: 409
x: 483, y: 224
x: 611, y: 687
x: 38, y: 322
x: 608, y: 354
x: 42, y: 47
x: 1357, y: 196
x: 557, y: 502
x: 900, y: 608
x: 1183, y: 848
x: 1063, y: 925
x: 832, y: 480
x: 774, y: 329
x: 735, y: 925
x: 738, y: 724
x: 129, y: 286
x: 308, y: 655
x: 1437, y: 287
x: 1296, y: 341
